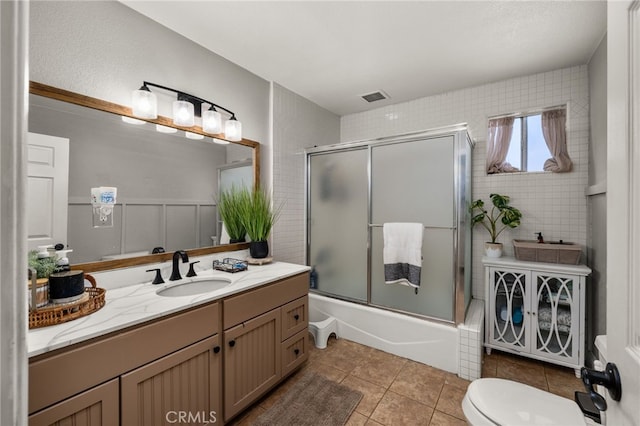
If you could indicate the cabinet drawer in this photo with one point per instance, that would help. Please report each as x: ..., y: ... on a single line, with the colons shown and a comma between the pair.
x: 295, y: 351
x: 115, y: 354
x: 252, y: 303
x: 294, y: 317
x: 97, y: 406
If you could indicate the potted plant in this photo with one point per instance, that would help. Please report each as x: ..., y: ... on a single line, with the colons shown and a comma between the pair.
x: 501, y: 216
x: 230, y: 208
x: 43, y: 267
x: 258, y: 217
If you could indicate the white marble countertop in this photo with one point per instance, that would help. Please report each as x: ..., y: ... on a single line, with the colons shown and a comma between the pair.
x: 138, y: 303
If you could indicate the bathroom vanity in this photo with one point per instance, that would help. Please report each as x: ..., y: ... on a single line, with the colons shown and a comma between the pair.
x: 144, y: 358
x: 536, y: 309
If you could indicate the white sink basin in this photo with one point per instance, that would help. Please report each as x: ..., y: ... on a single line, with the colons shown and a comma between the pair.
x: 193, y: 288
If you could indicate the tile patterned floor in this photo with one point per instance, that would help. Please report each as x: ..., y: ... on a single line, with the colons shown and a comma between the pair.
x: 398, y: 391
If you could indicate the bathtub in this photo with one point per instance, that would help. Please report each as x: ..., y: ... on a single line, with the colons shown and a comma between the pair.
x: 420, y: 340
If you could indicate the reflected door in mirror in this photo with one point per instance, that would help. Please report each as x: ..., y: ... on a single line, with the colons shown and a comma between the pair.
x: 47, y: 189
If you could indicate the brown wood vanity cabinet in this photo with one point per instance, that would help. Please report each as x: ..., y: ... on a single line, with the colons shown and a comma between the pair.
x: 150, y: 373
x: 138, y: 376
x: 265, y: 338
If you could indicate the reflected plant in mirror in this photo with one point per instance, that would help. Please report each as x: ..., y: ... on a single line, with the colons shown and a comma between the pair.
x: 230, y: 207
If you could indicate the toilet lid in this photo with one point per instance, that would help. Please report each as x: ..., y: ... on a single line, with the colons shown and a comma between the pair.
x: 505, y: 402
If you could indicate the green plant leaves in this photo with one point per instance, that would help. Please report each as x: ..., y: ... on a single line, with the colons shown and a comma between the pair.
x: 501, y: 211
x: 230, y: 209
x: 258, y: 214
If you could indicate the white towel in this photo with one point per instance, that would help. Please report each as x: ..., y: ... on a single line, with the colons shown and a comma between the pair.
x: 402, y: 254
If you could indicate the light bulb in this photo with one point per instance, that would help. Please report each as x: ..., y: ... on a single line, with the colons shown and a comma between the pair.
x: 211, y: 121
x: 183, y: 114
x: 144, y: 103
x: 233, y: 130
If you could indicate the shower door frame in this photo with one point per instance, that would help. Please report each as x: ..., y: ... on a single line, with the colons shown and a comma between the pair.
x: 461, y: 221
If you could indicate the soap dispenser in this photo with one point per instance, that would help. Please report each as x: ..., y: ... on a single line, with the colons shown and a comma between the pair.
x: 63, y: 260
x: 43, y: 251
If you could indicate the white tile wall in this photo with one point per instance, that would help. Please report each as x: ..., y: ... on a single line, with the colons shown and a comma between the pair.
x: 553, y: 204
x: 297, y: 124
x: 471, y: 335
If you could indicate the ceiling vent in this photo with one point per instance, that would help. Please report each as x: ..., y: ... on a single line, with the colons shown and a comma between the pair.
x: 375, y: 96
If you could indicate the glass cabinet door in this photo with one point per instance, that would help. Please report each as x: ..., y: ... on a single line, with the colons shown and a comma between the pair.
x: 556, y: 308
x: 508, y: 304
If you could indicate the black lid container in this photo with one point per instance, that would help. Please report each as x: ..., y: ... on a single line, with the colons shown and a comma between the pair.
x: 67, y: 286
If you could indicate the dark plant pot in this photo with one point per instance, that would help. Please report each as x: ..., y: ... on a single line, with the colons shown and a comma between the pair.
x: 258, y: 249
x: 239, y: 240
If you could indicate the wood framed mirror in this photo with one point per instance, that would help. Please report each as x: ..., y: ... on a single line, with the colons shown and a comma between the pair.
x: 168, y: 183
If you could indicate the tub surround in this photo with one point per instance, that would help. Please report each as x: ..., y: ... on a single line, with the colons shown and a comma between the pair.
x: 134, y: 304
x: 471, y: 335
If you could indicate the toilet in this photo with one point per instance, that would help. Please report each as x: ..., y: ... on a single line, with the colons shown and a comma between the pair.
x: 504, y: 402
x: 321, y: 330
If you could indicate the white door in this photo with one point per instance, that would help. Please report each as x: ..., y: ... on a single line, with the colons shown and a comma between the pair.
x: 623, y: 213
x: 47, y: 189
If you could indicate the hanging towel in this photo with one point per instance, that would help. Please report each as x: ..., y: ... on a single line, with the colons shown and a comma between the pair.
x: 402, y: 254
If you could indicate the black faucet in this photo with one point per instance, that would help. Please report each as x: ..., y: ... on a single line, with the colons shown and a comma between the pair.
x: 175, y: 271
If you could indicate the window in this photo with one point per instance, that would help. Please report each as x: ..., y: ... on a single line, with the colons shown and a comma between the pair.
x: 527, y: 149
x: 528, y: 143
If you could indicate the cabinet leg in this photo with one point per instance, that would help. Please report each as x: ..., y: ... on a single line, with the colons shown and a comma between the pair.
x: 488, y: 351
x: 577, y: 371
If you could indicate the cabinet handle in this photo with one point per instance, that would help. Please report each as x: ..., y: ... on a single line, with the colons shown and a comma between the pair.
x: 296, y: 351
x: 232, y: 343
x: 296, y: 317
x: 216, y: 349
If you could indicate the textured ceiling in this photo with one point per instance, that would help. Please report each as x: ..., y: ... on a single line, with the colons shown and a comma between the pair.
x: 333, y: 52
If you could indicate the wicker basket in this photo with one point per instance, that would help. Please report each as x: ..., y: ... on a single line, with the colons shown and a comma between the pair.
x: 53, y: 314
x: 532, y: 251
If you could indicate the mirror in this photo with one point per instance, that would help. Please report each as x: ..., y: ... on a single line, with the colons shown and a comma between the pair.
x: 167, y: 183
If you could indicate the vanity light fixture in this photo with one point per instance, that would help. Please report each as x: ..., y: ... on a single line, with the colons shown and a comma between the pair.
x: 144, y: 103
x: 220, y: 141
x: 185, y: 109
x: 183, y: 114
x: 233, y: 129
x: 211, y: 120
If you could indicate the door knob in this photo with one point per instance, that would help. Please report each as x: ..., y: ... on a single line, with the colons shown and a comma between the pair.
x: 296, y: 351
x: 296, y: 317
x: 216, y: 349
x: 232, y: 343
x: 609, y: 378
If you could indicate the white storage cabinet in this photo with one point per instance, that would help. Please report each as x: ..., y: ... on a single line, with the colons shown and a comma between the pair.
x: 536, y: 310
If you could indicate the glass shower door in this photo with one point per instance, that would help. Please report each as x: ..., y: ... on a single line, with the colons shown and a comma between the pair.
x: 337, y: 212
x: 414, y: 182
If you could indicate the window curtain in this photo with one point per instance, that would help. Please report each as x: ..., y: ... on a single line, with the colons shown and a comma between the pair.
x: 555, y: 135
x: 500, y: 130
